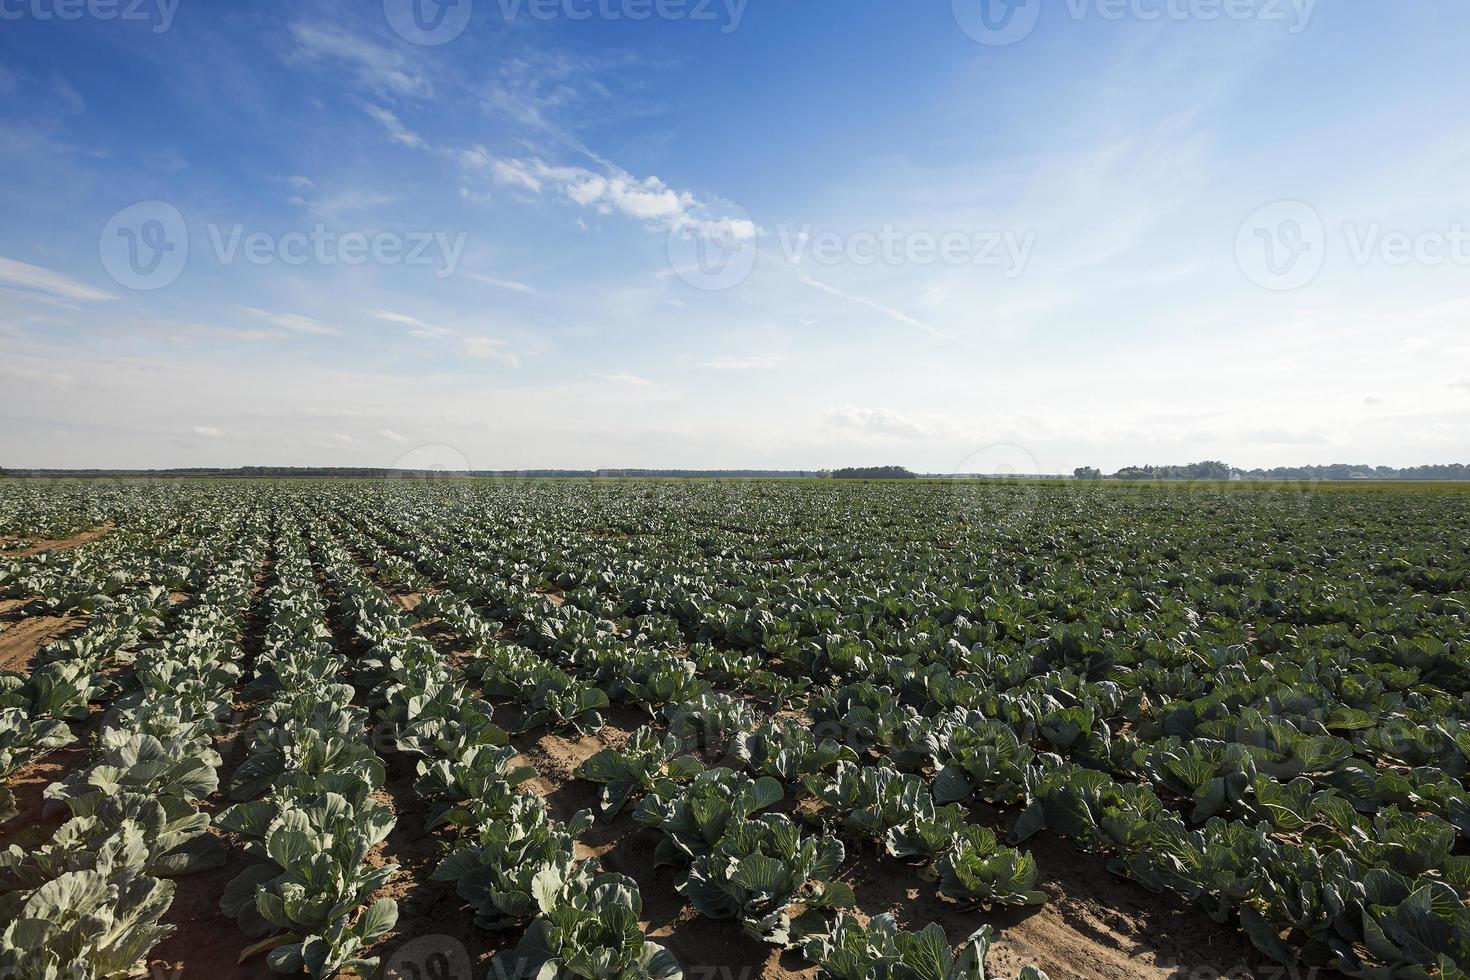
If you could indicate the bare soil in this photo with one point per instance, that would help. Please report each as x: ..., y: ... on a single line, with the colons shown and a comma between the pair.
x: 24, y: 636
x: 62, y: 544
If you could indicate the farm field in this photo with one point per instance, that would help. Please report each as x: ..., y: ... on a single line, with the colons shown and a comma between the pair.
x: 575, y: 728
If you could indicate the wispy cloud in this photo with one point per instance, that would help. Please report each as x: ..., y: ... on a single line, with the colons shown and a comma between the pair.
x: 417, y: 328
x: 514, y: 173
x: 474, y: 346
x: 898, y: 316
x: 295, y: 322
x: 381, y: 69
x: 179, y: 332
x: 395, y: 129
x: 344, y: 202
x: 875, y: 422
x: 490, y: 349
x: 34, y: 277
x: 744, y: 362
x: 511, y: 284
x: 619, y: 378
x: 391, y: 436
x: 645, y: 199
x: 208, y: 431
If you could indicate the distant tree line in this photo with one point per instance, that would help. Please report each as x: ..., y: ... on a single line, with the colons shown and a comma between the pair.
x: 1216, y: 470
x: 874, y: 473
x: 1349, y: 471
x: 1208, y: 470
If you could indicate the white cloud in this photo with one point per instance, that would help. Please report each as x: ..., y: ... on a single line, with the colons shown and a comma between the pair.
x: 623, y: 379
x: 208, y: 431
x: 511, y: 284
x: 381, y: 69
x: 352, y: 199
x: 875, y: 422
x: 417, y: 328
x: 295, y: 322
x: 28, y: 276
x: 897, y: 316
x: 513, y: 173
x: 397, y: 132
x: 475, y: 158
x: 180, y: 332
x: 646, y: 199
x: 490, y: 349
x: 391, y: 436
x: 69, y: 97
x: 481, y: 348
x: 747, y: 362
x: 1463, y: 384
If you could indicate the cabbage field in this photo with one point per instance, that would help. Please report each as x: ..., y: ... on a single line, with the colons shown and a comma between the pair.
x: 451, y: 729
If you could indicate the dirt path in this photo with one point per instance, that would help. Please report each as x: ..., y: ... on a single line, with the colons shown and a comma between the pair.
x: 22, y: 639
x: 63, y: 544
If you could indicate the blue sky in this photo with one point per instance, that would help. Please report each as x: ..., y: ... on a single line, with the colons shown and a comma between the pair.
x: 1143, y: 231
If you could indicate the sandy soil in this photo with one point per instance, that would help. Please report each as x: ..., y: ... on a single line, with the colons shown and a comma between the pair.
x: 25, y: 636
x: 62, y: 544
